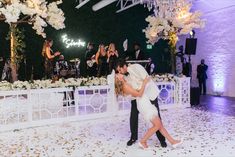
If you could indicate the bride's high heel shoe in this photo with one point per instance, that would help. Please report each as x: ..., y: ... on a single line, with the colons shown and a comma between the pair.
x: 142, y: 146
x: 178, y: 144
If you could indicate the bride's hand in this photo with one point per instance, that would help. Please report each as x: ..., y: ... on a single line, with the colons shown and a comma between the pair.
x: 57, y: 53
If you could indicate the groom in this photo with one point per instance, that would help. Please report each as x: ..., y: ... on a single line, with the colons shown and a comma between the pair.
x: 134, y: 75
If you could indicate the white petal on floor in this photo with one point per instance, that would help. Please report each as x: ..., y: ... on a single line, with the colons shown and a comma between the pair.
x: 205, y: 134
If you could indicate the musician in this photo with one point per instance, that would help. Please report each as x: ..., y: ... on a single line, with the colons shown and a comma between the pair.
x: 49, y: 56
x: 101, y: 61
x: 2, y: 63
x: 62, y: 67
x: 150, y: 67
x: 112, y: 57
x: 138, y: 53
x: 6, y: 72
x: 91, y: 65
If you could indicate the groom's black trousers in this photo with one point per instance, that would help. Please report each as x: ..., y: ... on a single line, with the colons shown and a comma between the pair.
x: 134, y: 120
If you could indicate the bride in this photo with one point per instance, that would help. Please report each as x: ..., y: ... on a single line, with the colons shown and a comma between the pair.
x: 145, y: 108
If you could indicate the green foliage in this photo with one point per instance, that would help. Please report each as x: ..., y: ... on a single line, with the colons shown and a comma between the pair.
x: 18, y: 43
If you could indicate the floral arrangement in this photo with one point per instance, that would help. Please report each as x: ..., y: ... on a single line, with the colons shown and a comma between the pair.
x: 44, y: 84
x: 38, y: 13
x: 71, y: 82
x: 164, y: 78
x: 170, y: 20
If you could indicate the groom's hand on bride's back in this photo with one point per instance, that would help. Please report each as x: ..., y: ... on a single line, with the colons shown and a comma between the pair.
x: 146, y: 80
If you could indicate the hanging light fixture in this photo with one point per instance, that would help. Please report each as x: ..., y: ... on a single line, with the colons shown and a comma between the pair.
x: 102, y: 4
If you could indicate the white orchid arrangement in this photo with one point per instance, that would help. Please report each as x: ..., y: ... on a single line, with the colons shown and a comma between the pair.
x: 164, y: 78
x: 38, y: 13
x: 170, y: 20
x: 45, y: 84
x: 71, y: 82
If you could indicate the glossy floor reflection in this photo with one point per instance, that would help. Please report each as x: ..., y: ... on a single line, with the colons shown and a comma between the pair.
x: 223, y: 105
x: 207, y: 129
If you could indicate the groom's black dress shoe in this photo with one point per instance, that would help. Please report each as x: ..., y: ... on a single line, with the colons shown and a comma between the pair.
x: 130, y: 142
x: 163, y: 144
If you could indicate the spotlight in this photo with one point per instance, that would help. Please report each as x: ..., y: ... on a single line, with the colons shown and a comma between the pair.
x: 192, y: 34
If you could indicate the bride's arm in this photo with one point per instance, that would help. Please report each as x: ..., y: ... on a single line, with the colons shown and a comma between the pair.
x: 135, y: 93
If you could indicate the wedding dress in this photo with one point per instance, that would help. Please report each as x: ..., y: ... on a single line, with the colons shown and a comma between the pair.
x: 146, y: 108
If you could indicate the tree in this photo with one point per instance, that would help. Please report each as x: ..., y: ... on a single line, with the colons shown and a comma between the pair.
x: 37, y: 13
x: 171, y: 19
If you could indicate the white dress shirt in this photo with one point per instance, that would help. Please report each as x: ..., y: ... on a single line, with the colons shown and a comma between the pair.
x: 136, y: 76
x: 137, y: 54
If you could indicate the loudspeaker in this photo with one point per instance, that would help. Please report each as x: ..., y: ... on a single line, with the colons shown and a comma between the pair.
x: 190, y: 46
x: 195, y: 96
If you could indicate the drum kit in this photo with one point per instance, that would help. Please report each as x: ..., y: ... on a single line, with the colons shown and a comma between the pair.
x: 72, y: 69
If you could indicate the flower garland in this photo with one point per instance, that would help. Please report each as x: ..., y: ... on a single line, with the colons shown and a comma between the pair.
x: 164, y: 78
x: 71, y: 82
x: 45, y: 84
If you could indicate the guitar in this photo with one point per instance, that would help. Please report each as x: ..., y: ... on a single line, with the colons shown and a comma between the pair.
x: 90, y: 63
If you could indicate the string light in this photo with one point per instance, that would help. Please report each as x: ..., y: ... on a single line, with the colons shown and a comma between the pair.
x: 72, y: 43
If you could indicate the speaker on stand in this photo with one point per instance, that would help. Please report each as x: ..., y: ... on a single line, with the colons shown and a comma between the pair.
x: 190, y: 49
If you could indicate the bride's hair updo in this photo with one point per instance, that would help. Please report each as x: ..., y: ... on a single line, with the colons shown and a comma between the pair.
x: 118, y: 87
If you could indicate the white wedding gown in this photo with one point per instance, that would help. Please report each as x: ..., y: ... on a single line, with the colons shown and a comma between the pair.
x: 146, y: 109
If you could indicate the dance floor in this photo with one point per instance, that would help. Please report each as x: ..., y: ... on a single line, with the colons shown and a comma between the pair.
x: 207, y: 130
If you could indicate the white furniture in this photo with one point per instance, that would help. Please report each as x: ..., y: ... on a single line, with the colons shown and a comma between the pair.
x: 37, y: 107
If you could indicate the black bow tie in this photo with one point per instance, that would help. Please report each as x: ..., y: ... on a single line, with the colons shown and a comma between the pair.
x: 126, y: 74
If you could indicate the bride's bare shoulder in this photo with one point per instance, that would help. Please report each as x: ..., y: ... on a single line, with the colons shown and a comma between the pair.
x: 128, y: 90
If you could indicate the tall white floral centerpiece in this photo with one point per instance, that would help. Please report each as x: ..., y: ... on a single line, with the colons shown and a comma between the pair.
x: 171, y: 18
x: 38, y: 13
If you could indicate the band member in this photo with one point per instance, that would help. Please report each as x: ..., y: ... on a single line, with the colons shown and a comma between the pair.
x: 62, y: 67
x: 49, y: 56
x: 112, y: 57
x: 6, y: 72
x: 101, y: 61
x: 91, y: 65
x: 138, y: 53
x: 2, y: 64
x: 150, y: 67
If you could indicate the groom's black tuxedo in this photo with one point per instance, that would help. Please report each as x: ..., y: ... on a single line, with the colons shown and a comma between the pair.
x: 137, y: 74
x: 134, y: 120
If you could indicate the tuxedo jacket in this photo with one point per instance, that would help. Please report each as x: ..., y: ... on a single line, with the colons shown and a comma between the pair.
x: 140, y: 55
x: 136, y: 76
x: 201, y: 71
x: 132, y: 55
x: 89, y: 54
